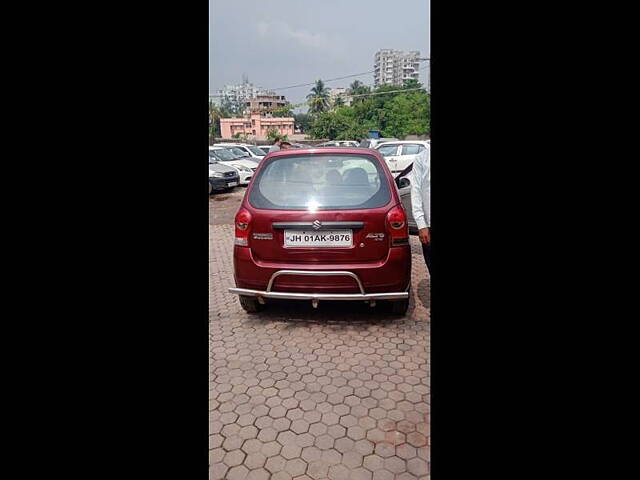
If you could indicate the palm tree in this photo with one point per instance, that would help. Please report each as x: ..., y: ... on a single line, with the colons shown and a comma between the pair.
x: 358, y: 88
x: 318, y: 98
x: 338, y: 102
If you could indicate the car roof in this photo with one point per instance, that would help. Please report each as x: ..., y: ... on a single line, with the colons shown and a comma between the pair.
x: 325, y: 151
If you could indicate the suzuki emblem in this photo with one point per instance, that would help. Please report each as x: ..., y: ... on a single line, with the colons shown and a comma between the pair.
x: 317, y: 224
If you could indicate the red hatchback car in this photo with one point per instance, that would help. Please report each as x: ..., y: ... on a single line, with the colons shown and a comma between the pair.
x: 322, y: 224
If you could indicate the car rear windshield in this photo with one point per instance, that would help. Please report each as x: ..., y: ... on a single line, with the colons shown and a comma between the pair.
x: 321, y: 182
x: 223, y: 154
x: 256, y: 151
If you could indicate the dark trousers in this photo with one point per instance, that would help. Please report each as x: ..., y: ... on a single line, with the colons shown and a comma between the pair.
x: 426, y: 251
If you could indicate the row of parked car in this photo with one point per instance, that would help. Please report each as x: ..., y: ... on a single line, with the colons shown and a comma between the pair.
x: 224, y: 158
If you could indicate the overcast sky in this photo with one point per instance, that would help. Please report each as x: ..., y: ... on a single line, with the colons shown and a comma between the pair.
x: 279, y: 43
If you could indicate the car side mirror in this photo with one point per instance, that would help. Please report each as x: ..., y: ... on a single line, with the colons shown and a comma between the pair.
x: 403, y: 182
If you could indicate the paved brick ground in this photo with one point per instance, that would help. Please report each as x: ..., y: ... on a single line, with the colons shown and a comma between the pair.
x: 338, y: 392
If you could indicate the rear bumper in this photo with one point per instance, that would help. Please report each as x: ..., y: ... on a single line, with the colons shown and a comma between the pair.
x: 220, y: 183
x: 389, y: 274
x: 362, y: 296
x: 321, y: 296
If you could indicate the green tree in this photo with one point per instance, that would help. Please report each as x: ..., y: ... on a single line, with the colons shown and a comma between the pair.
x: 273, y: 134
x: 303, y: 121
x: 318, y: 98
x: 337, y: 125
x: 214, y: 127
x: 338, y: 102
x: 358, y: 88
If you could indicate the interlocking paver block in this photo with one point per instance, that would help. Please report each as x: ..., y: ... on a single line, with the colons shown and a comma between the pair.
x: 352, y: 459
x: 275, y: 464
x: 248, y: 432
x: 258, y: 474
x: 281, y: 476
x: 395, y: 465
x: 311, y: 454
x: 233, y: 458
x: 300, y: 426
x: 417, y: 466
x: 373, y: 463
x: 305, y: 440
x: 416, y: 439
x: 338, y: 472
x: 344, y: 444
x: 318, y: 470
x: 291, y: 451
x: 295, y: 467
x: 233, y: 443
x: 361, y: 474
x: 365, y: 447
x: 383, y: 475
x: 324, y: 442
x: 255, y: 460
x: 337, y: 431
x: 356, y: 432
x: 281, y: 424
x: 271, y: 449
x: 406, y: 451
x: 331, y: 456
x: 385, y: 450
x: 218, y: 471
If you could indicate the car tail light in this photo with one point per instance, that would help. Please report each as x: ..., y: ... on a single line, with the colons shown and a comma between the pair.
x: 243, y: 221
x: 397, y: 226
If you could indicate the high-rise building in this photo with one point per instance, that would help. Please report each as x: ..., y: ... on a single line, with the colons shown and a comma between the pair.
x: 393, y: 67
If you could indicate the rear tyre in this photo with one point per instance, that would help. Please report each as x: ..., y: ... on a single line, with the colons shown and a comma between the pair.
x: 250, y: 304
x: 400, y: 307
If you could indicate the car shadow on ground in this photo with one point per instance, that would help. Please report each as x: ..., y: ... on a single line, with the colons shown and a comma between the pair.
x: 300, y: 313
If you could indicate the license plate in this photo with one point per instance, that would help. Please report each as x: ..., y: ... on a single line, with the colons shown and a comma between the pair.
x: 232, y: 184
x: 325, y: 238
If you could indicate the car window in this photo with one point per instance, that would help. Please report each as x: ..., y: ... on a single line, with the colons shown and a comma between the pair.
x: 239, y: 152
x: 388, y: 150
x: 224, y: 154
x: 412, y: 149
x: 325, y: 182
x: 256, y: 151
x: 365, y: 143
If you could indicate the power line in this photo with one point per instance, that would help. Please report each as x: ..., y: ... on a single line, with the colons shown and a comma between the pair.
x: 327, y: 80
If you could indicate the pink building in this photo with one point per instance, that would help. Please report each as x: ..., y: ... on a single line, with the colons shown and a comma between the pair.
x: 255, y: 125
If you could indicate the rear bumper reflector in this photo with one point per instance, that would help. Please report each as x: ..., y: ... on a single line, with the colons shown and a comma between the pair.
x: 399, y: 241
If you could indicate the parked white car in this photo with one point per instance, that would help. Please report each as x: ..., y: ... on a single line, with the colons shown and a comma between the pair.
x: 251, y: 150
x: 374, y: 142
x: 246, y: 166
x: 401, y: 153
x: 339, y: 143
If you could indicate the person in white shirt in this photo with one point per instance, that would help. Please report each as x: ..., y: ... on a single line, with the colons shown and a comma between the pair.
x: 421, y: 201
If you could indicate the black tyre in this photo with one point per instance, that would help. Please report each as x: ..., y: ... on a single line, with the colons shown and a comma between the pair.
x: 250, y: 304
x: 400, y: 307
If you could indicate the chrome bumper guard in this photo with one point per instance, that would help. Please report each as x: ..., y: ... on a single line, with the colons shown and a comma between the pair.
x: 315, y: 297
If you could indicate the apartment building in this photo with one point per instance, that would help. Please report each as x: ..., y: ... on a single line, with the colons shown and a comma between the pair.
x: 393, y: 67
